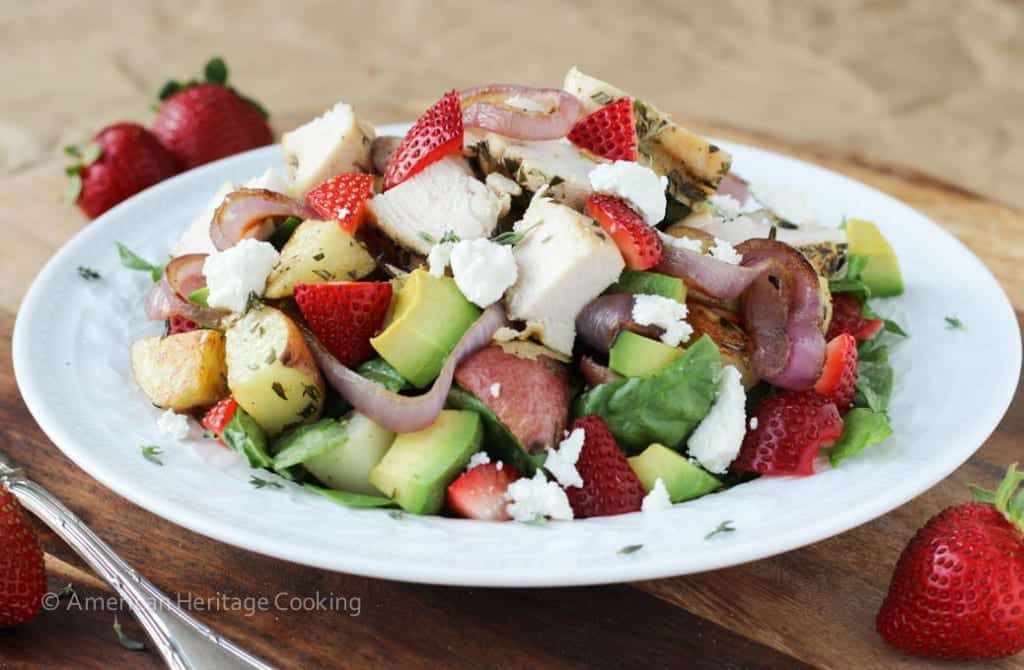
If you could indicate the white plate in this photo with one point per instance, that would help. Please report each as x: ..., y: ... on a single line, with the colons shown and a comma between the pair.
x: 71, y: 360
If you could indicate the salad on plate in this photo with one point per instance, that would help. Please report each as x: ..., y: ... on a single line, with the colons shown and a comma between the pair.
x: 539, y: 304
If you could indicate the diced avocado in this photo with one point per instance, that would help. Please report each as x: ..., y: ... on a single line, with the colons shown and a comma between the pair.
x: 430, y: 316
x: 418, y: 468
x: 882, y: 271
x: 651, y: 283
x: 682, y: 479
x: 347, y: 467
x: 634, y: 355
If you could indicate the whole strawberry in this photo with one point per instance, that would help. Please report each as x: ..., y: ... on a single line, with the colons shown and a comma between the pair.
x: 122, y: 160
x: 958, y: 589
x: 202, y: 121
x: 22, y: 572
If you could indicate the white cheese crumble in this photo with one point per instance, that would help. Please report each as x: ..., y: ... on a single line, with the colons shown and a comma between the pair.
x: 495, y: 390
x: 537, y: 498
x: 479, y: 458
x: 657, y: 500
x: 525, y: 104
x: 726, y: 207
x: 561, y: 462
x: 725, y: 252
x: 238, y: 271
x: 483, y: 270
x: 753, y: 423
x: 717, y: 440
x: 656, y: 310
x: 439, y: 257
x: 639, y: 185
x: 173, y: 425
x: 688, y: 243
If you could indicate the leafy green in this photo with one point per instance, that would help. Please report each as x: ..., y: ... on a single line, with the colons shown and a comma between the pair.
x: 133, y: 261
x: 890, y: 326
x: 874, y: 376
x: 851, y: 281
x: 150, y: 453
x: 662, y: 407
x: 246, y: 437
x: 350, y: 499
x: 284, y: 231
x: 216, y: 71
x: 200, y: 296
x: 309, y: 441
x: 861, y: 427
x: 499, y: 441
x: 380, y: 371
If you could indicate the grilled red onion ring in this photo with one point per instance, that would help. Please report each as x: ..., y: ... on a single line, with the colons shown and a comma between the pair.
x: 712, y: 276
x: 185, y: 274
x: 253, y: 212
x: 601, y: 320
x: 485, y: 107
x: 399, y: 413
x: 163, y: 302
x: 783, y: 314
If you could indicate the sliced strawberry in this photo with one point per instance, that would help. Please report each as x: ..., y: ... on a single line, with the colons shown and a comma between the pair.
x: 480, y: 493
x: 343, y: 199
x: 179, y: 324
x: 218, y: 417
x: 610, y: 132
x: 639, y: 243
x: 438, y: 133
x: 610, y: 486
x: 345, y: 315
x: 792, y: 427
x: 838, y: 380
x: 847, y: 318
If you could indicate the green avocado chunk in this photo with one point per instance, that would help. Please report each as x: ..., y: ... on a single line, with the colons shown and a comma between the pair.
x: 429, y: 318
x: 881, y: 272
x: 682, y: 479
x: 418, y: 468
x: 634, y: 355
x: 650, y: 283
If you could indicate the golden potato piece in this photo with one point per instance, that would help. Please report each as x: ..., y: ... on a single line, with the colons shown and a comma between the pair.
x: 318, y: 251
x: 183, y: 371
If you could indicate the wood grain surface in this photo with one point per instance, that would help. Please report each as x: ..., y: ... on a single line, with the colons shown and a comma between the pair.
x: 810, y: 607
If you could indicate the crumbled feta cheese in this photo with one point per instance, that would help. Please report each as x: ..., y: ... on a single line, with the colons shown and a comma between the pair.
x: 479, y: 458
x: 717, y: 440
x: 688, y: 243
x: 525, y: 104
x: 655, y: 310
x: 725, y: 252
x: 657, y: 500
x: 561, y: 462
x: 637, y: 184
x: 506, y: 334
x: 483, y: 270
x: 173, y: 424
x: 753, y: 423
x: 439, y: 257
x: 726, y: 206
x: 271, y: 180
x: 238, y: 271
x: 537, y: 498
x: 495, y: 390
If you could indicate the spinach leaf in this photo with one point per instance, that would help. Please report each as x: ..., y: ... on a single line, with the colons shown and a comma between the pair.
x: 133, y: 261
x: 890, y: 325
x: 246, y: 437
x: 874, y: 376
x: 663, y: 407
x: 380, y: 371
x: 499, y: 441
x: 853, y: 286
x: 350, y: 499
x: 306, y: 442
x: 284, y: 231
x: 861, y: 427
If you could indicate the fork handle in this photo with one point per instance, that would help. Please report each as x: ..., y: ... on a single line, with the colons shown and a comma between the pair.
x: 184, y: 642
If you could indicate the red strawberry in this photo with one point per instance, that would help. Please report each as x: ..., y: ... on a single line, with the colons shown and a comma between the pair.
x: 610, y: 132
x: 792, y: 427
x: 438, y: 133
x: 22, y: 571
x: 838, y: 380
x: 343, y: 198
x: 639, y: 243
x: 958, y: 589
x: 847, y: 318
x: 345, y: 315
x: 610, y: 486
x: 124, y: 159
x: 217, y: 419
x: 200, y: 122
x: 480, y: 493
x: 179, y: 324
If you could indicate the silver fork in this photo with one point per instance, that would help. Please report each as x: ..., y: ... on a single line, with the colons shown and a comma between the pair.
x: 184, y: 642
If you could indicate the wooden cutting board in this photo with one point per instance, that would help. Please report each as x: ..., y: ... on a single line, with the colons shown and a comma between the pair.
x: 814, y: 606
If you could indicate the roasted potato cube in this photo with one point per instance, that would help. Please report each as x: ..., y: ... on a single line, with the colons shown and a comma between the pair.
x: 183, y: 371
x: 318, y: 251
